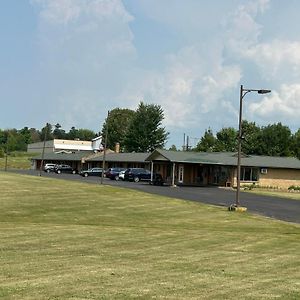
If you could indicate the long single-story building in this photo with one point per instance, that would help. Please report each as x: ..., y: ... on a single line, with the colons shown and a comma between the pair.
x: 220, y: 168
x: 191, y: 168
x: 80, y: 160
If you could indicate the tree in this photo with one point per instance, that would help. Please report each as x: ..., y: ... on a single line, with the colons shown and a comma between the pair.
x: 207, y: 142
x: 226, y: 140
x: 81, y: 134
x: 25, y: 132
x: 276, y: 140
x: 118, y: 122
x: 34, y: 135
x: 72, y: 134
x: 145, y: 133
x: 296, y: 144
x: 251, y: 134
x: 59, y: 133
x: 46, y: 132
x: 85, y: 134
x: 173, y: 148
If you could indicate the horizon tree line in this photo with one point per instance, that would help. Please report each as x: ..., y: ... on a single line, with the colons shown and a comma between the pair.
x: 141, y: 130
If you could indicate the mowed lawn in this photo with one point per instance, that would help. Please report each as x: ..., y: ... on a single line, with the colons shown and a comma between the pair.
x: 16, y: 160
x: 70, y: 240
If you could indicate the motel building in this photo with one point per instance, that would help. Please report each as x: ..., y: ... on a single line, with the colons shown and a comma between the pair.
x: 186, y: 168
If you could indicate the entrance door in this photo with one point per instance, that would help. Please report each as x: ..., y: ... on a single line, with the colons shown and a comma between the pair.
x: 180, y: 173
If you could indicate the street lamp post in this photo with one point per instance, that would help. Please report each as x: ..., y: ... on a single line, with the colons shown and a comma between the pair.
x: 104, y: 150
x: 243, y: 92
x: 43, y: 151
x: 6, y: 155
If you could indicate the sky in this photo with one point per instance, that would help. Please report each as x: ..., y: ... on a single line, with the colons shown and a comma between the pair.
x: 71, y: 61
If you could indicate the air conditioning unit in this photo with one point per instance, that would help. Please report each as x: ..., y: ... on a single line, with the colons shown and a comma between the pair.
x: 263, y: 170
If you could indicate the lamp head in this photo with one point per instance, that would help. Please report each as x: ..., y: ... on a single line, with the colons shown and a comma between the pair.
x: 263, y: 91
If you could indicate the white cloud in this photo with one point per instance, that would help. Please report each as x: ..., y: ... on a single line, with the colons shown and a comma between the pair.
x: 85, y: 51
x: 58, y: 11
x: 281, y: 105
x: 88, y: 51
x: 276, y: 58
x: 66, y: 11
x: 190, y: 88
x: 242, y: 30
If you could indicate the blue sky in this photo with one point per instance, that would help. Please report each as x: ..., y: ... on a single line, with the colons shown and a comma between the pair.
x: 70, y: 61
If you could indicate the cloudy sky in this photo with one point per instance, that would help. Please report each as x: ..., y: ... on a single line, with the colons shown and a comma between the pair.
x: 70, y: 61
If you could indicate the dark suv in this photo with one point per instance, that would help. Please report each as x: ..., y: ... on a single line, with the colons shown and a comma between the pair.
x: 113, y: 173
x: 64, y: 169
x: 137, y: 174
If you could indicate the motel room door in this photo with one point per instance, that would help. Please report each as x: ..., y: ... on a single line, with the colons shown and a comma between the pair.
x: 180, y: 173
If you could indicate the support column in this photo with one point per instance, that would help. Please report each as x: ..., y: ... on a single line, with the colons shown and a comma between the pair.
x: 151, y: 171
x: 173, y: 175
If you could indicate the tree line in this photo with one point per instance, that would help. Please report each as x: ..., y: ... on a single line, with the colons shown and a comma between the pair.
x: 17, y: 140
x: 141, y: 130
x: 271, y: 140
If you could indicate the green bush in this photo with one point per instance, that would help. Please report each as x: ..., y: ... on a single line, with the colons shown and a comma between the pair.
x: 249, y: 186
x: 294, y: 188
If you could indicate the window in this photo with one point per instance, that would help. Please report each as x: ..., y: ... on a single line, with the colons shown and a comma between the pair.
x: 249, y: 174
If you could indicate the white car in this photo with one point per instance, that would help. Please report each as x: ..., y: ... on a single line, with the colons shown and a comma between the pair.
x: 121, y: 175
x: 49, y: 167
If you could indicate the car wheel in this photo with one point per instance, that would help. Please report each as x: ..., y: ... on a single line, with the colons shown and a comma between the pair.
x: 58, y: 171
x: 117, y: 178
x: 86, y: 174
x: 136, y: 179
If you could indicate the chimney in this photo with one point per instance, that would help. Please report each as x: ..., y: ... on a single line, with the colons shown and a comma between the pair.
x: 117, y: 148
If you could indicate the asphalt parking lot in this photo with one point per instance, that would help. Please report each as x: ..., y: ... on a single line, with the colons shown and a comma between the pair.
x: 273, y: 207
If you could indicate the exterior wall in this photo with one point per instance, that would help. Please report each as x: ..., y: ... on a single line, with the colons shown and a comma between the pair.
x: 281, y: 178
x: 72, y: 145
x: 58, y: 144
x: 96, y: 144
x: 38, y: 147
x: 195, y: 175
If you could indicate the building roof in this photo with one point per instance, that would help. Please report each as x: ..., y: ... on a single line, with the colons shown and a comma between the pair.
x: 73, y: 156
x: 91, y: 156
x: 121, y: 157
x: 207, y: 158
x: 224, y: 158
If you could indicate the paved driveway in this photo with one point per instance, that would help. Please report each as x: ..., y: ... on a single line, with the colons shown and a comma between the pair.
x: 274, y: 207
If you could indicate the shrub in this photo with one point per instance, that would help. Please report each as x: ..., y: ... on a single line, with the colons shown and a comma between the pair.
x: 294, y: 188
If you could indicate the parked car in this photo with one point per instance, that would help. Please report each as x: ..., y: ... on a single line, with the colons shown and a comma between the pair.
x: 121, y: 175
x: 91, y: 172
x: 49, y: 168
x: 113, y: 173
x: 137, y: 174
x: 64, y: 169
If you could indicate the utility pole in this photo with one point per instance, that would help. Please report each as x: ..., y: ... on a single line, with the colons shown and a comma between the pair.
x: 6, y: 154
x: 43, y: 151
x: 105, y: 145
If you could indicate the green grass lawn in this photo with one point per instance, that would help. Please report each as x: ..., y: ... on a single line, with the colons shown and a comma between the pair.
x: 276, y: 193
x: 70, y: 240
x: 17, y: 160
